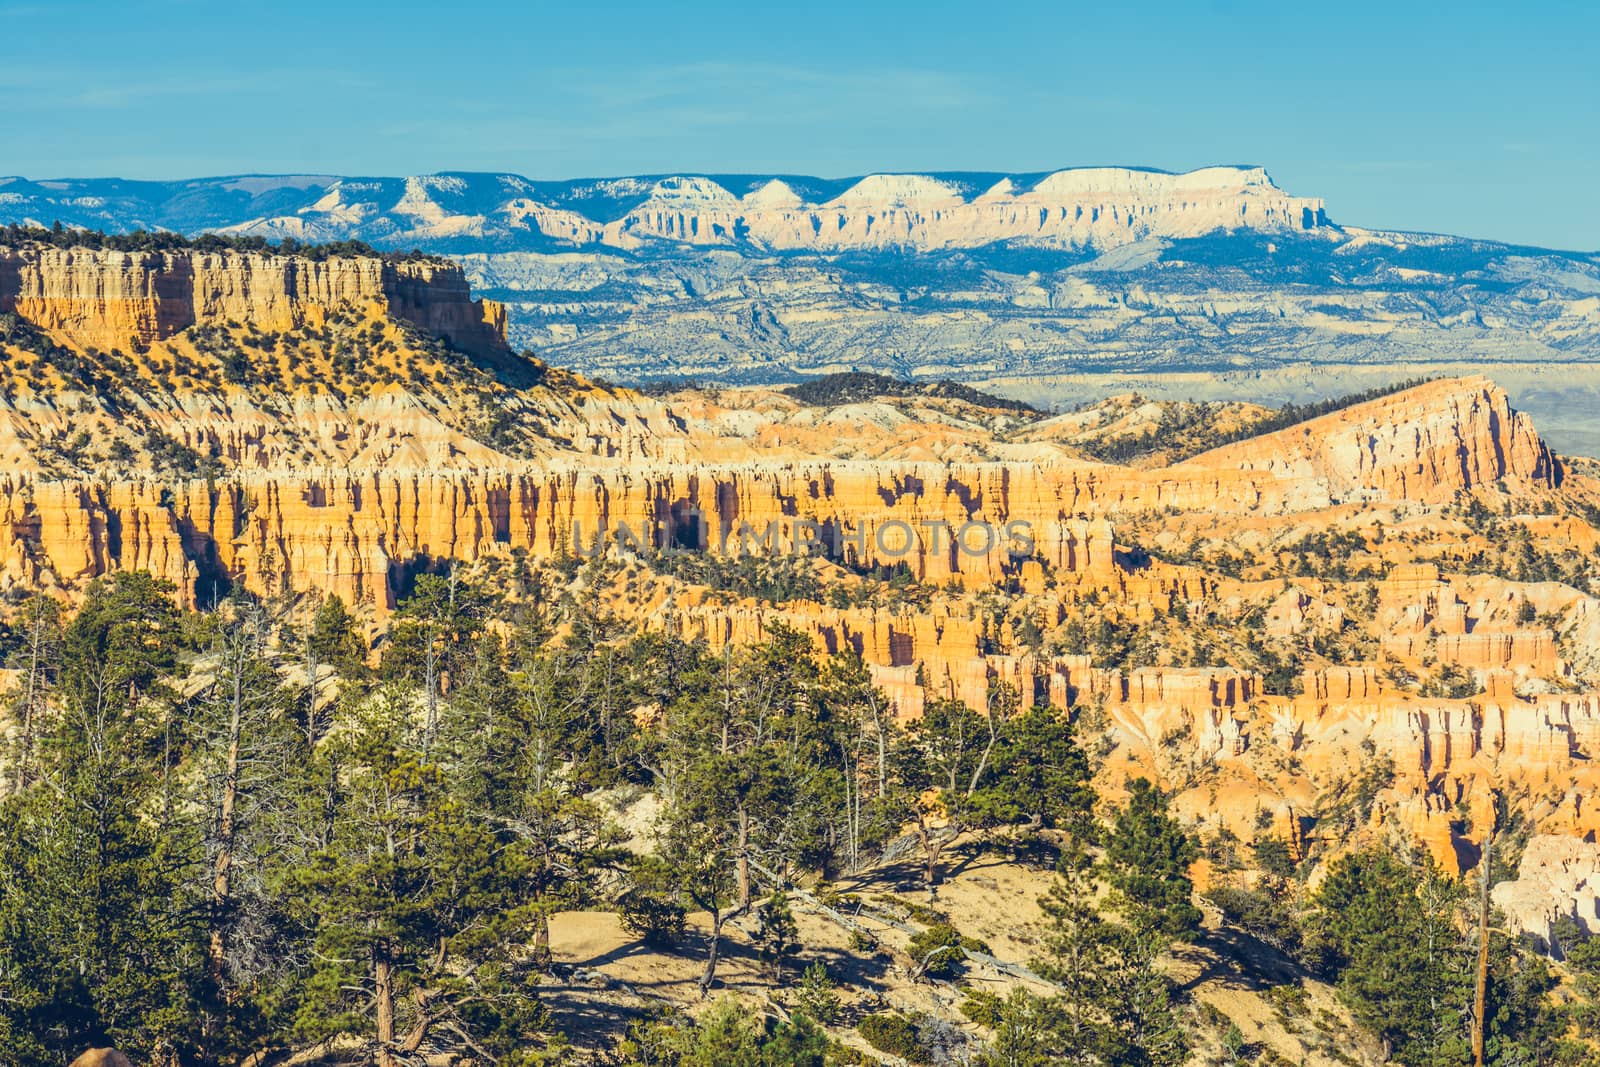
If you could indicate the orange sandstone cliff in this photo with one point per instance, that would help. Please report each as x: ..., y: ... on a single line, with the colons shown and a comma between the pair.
x: 112, y: 299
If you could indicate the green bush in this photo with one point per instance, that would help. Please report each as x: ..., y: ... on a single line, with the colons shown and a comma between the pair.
x: 938, y: 951
x: 982, y: 1007
x: 817, y: 995
x: 652, y: 907
x: 1274, y: 857
x: 895, y: 1034
x: 1261, y: 914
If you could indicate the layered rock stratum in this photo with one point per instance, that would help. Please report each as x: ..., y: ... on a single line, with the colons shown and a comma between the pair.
x: 112, y: 299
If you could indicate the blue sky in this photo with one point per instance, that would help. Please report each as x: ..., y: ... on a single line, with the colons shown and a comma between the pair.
x: 1462, y: 118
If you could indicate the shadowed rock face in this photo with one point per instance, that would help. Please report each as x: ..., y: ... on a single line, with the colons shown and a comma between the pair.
x: 113, y: 299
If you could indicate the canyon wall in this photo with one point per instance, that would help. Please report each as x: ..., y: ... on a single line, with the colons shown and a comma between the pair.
x: 343, y: 530
x: 110, y: 299
x: 347, y: 534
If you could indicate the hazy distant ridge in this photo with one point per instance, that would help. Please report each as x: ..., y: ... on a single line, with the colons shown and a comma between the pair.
x: 1076, y: 208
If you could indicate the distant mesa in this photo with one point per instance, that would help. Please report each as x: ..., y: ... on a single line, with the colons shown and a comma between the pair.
x: 1101, y: 206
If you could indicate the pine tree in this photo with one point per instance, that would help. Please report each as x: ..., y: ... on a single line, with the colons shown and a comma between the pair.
x: 1116, y: 1004
x: 38, y: 659
x: 335, y: 640
x: 1147, y: 857
x: 246, y: 762
x: 1028, y: 1034
x: 100, y: 933
x: 1076, y: 947
x: 861, y: 730
x: 434, y: 635
x: 943, y: 767
x: 1041, y: 775
x: 777, y: 936
x: 417, y: 907
x: 123, y: 640
x: 1390, y: 936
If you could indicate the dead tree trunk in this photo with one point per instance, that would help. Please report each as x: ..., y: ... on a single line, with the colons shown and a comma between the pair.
x: 742, y: 860
x: 1481, y: 993
x: 222, y: 872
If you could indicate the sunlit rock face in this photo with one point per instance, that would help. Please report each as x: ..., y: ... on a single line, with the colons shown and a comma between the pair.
x: 1558, y: 879
x: 1103, y: 207
x: 111, y: 300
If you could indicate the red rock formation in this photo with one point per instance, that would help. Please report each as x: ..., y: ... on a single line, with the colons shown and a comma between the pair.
x: 108, y: 299
x: 1421, y: 444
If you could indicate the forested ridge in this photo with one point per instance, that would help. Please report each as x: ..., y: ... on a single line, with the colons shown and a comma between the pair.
x: 143, y: 240
x: 245, y: 836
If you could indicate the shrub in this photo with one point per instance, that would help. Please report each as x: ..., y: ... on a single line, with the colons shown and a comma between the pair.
x: 1274, y: 857
x: 1260, y: 914
x: 651, y: 908
x: 894, y: 1034
x: 982, y: 1007
x: 817, y: 995
x: 778, y: 937
x: 938, y: 951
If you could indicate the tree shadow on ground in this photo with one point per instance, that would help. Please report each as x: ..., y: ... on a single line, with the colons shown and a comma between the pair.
x: 1235, y: 960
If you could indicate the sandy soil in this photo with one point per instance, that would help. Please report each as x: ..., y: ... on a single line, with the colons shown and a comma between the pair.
x: 607, y: 979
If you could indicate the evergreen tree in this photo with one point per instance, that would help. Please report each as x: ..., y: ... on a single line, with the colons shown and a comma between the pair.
x: 100, y: 938
x: 1041, y: 777
x: 727, y: 1035
x: 1147, y: 857
x: 336, y: 640
x: 1076, y: 947
x: 943, y: 769
x: 1116, y: 1005
x: 97, y: 945
x: 741, y: 767
x: 1027, y: 1034
x: 417, y: 908
x: 861, y: 736
x: 435, y: 632
x: 38, y: 658
x: 1391, y: 937
x: 246, y: 757
x: 123, y: 640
